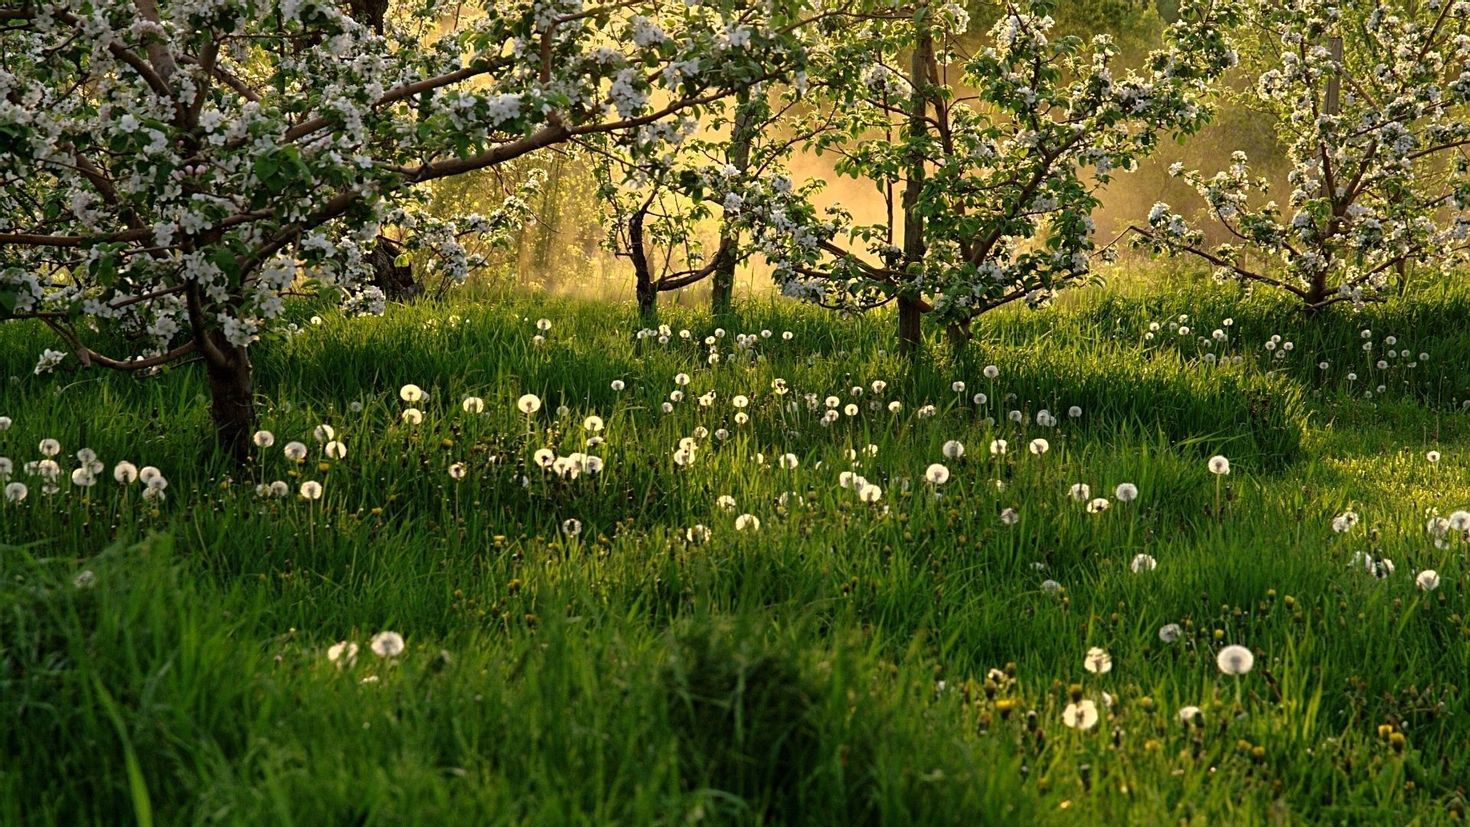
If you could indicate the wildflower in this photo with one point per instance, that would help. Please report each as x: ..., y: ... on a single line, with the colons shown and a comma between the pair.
x: 997, y: 447
x: 1142, y: 563
x: 991, y: 371
x: 1126, y: 492
x: 543, y: 325
x: 263, y: 439
x: 343, y: 653
x: 870, y: 493
x: 958, y: 387
x: 279, y: 488
x: 323, y: 433
x: 458, y: 470
x: 1080, y: 715
x: 592, y: 424
x: 618, y: 385
x: 1080, y: 491
x: 1098, y: 661
x: 747, y: 522
x: 953, y: 449
x: 1344, y: 521
x: 15, y: 492
x: 1219, y: 465
x: 1051, y: 586
x: 1170, y: 632
x: 311, y: 490
x: 294, y: 451
x: 571, y: 527
x: 387, y: 644
x: 85, y: 579
x: 529, y: 404
x: 125, y: 472
x: 83, y: 478
x: 411, y: 393
x: 1427, y: 580
x: 936, y: 474
x: 473, y: 404
x: 1432, y: 456
x: 788, y: 461
x: 726, y: 502
x: 697, y: 534
x: 336, y: 450
x: 49, y: 447
x: 1009, y: 516
x: 1187, y: 714
x: 895, y: 406
x: 413, y: 416
x: 1075, y: 411
x: 1235, y: 660
x: 1039, y: 446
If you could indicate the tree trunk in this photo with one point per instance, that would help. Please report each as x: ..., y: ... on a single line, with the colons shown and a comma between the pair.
x: 232, y: 405
x: 910, y: 325
x: 394, y: 280
x: 910, y: 307
x: 742, y: 136
x: 647, y: 290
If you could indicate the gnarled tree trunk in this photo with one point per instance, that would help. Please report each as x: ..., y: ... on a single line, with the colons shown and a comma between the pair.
x: 395, y: 280
x: 910, y: 306
x: 232, y: 396
x: 742, y: 136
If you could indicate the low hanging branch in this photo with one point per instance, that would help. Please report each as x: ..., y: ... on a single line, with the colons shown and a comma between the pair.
x: 999, y: 187
x: 1371, y: 101
x: 177, y: 185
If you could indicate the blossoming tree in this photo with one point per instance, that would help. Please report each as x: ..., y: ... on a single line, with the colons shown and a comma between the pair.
x: 1371, y: 102
x: 172, y: 170
x: 999, y: 156
x: 659, y: 207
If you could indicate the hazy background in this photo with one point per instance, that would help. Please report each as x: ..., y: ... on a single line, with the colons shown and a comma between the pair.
x: 563, y: 251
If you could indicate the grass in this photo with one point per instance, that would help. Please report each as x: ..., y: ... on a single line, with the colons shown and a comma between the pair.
x: 904, y: 662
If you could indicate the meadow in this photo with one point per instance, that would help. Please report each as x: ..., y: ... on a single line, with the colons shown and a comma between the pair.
x: 546, y: 564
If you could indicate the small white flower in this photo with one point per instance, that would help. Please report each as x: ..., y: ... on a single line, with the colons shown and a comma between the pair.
x: 1170, y: 632
x: 125, y: 472
x: 1142, y: 563
x: 936, y: 474
x: 953, y: 449
x: 1235, y: 660
x: 1219, y: 465
x: 529, y: 404
x: 747, y: 522
x: 1080, y: 715
x: 1126, y: 492
x: 1098, y: 661
x: 343, y: 653
x: 1427, y: 580
x: 387, y: 644
x: 264, y: 439
x: 473, y: 405
x: 311, y: 490
x: 411, y: 393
